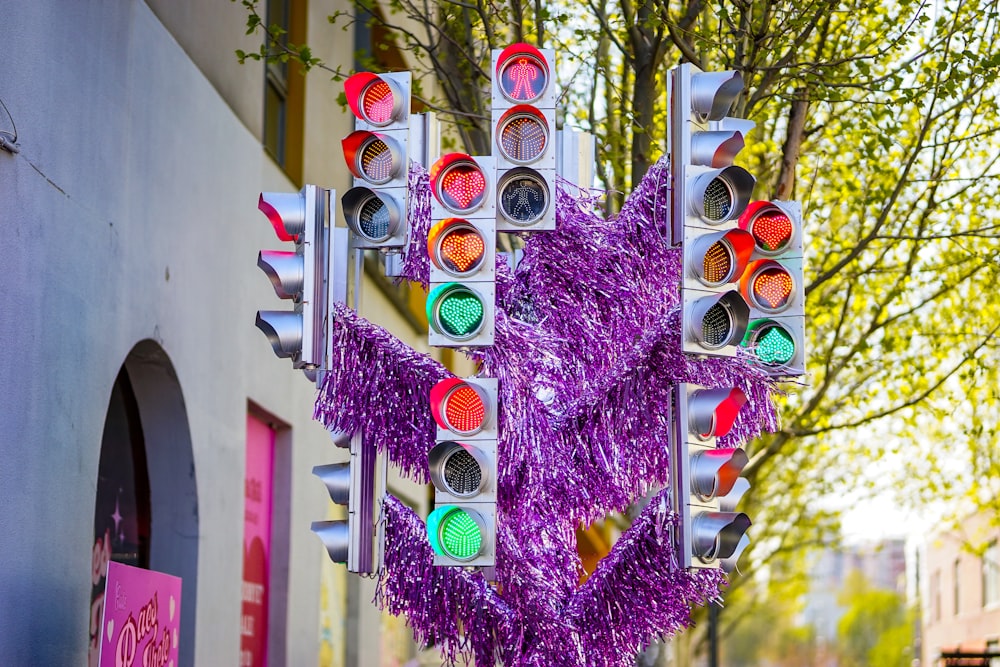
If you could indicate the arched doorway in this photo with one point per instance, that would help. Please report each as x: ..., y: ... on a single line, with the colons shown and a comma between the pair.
x: 146, y: 510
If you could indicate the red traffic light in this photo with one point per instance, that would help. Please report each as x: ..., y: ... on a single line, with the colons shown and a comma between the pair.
x: 522, y: 73
x: 456, y: 247
x: 375, y: 100
x: 459, y: 183
x: 772, y: 229
x: 372, y: 156
x: 459, y: 406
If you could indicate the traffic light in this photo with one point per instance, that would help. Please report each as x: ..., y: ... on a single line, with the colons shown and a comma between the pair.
x: 299, y: 275
x: 376, y: 154
x: 354, y: 484
x: 461, y: 304
x: 463, y: 467
x: 708, y: 195
x: 524, y: 126
x: 772, y: 285
x: 706, y: 481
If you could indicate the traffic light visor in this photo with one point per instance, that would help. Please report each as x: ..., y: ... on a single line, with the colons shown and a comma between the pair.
x: 712, y: 412
x: 456, y: 311
x: 721, y: 194
x: 719, y: 320
x: 713, y: 93
x: 718, y: 258
x: 286, y: 211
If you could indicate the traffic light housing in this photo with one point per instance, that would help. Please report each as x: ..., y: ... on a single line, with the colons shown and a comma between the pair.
x: 463, y: 469
x: 461, y: 304
x: 705, y: 480
x: 376, y: 155
x: 772, y: 285
x: 354, y: 484
x: 524, y: 137
x: 708, y: 195
x: 299, y: 275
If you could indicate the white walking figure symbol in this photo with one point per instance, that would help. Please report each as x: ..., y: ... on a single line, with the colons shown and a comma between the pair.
x: 522, y: 208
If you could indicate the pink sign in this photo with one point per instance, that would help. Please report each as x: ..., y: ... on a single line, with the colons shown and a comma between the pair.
x: 258, y: 492
x: 142, y: 618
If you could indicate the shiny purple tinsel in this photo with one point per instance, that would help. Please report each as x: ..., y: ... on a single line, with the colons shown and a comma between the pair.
x: 379, y: 386
x: 587, y: 352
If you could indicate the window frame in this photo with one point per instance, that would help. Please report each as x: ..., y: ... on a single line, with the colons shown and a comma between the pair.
x: 990, y: 574
x: 282, y: 132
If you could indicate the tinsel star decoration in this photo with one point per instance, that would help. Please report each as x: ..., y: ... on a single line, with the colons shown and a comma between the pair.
x: 587, y: 352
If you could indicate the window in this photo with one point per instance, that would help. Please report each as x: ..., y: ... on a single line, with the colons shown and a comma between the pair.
x: 284, y: 91
x: 935, y: 585
x: 991, y: 574
x: 993, y: 646
x: 956, y: 606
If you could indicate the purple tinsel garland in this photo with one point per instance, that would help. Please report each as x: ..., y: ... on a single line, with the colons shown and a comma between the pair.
x: 587, y: 351
x: 379, y: 385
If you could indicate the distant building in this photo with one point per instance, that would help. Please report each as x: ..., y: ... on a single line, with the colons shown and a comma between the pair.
x: 961, y: 609
x: 883, y: 565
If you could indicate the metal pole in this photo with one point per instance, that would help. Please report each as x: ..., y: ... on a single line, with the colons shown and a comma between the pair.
x: 713, y: 635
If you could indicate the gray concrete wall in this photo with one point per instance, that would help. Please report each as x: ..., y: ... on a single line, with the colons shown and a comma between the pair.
x: 129, y: 215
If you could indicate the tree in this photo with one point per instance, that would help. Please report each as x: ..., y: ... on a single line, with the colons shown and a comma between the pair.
x: 876, y: 628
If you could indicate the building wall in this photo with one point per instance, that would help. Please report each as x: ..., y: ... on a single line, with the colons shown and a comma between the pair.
x: 968, y: 623
x: 129, y: 219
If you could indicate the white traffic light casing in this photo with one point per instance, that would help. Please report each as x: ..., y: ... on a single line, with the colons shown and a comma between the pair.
x: 300, y: 275
x: 463, y: 470
x: 705, y: 480
x: 524, y: 137
x: 376, y: 154
x: 357, y: 484
x: 461, y: 303
x: 772, y: 285
x: 708, y: 195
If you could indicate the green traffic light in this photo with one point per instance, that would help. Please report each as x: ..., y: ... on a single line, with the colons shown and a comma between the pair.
x: 455, y: 310
x: 461, y: 536
x: 772, y: 344
x: 455, y: 533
